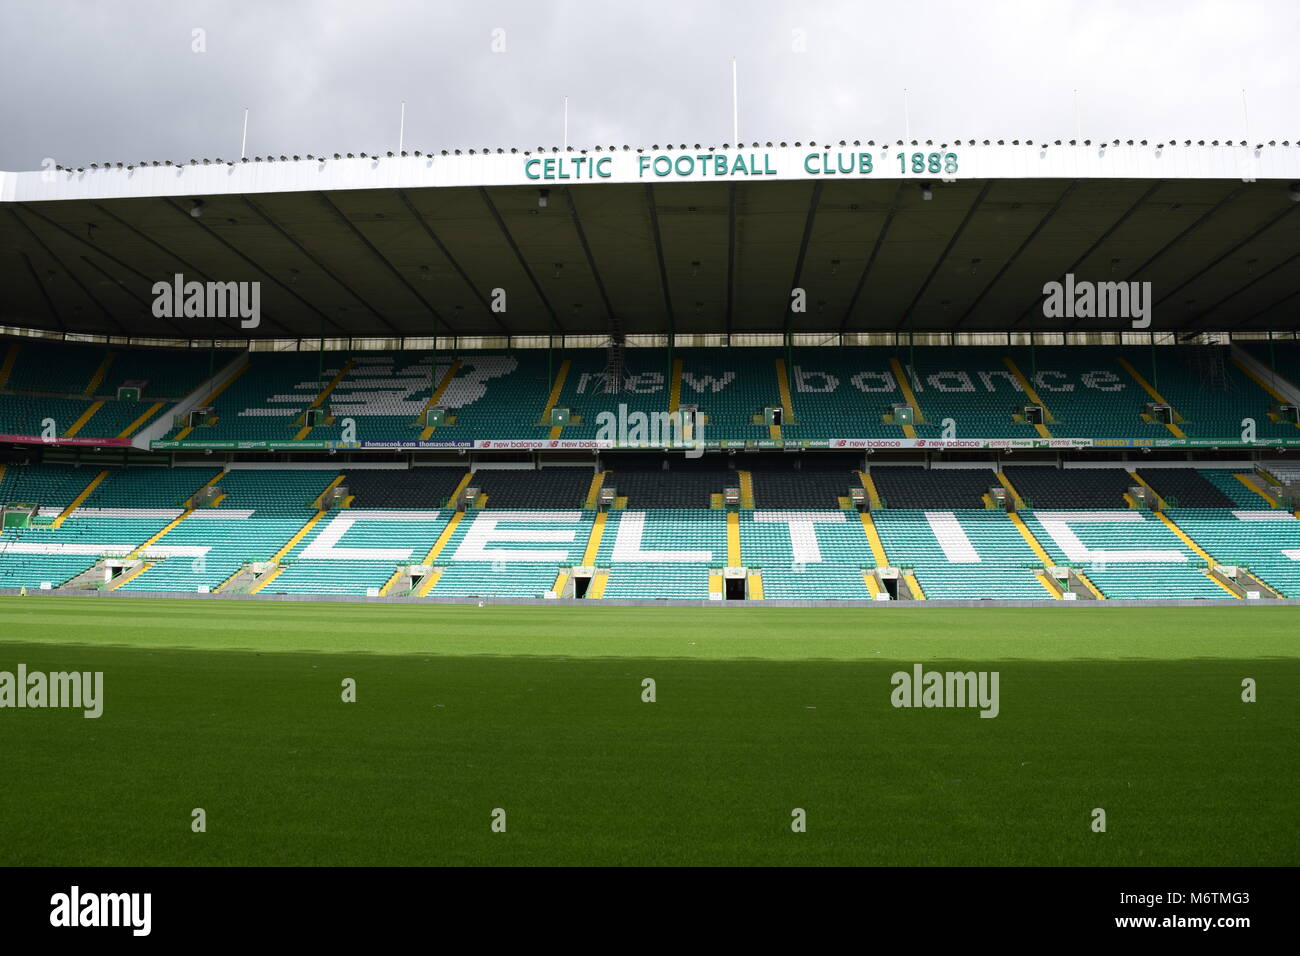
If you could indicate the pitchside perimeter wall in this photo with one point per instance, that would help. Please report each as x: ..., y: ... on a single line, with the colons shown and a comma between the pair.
x: 626, y: 602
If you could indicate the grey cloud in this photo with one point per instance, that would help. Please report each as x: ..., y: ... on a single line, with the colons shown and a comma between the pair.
x: 90, y: 82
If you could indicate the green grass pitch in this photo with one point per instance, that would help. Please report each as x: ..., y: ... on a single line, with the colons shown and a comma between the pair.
x: 235, y: 707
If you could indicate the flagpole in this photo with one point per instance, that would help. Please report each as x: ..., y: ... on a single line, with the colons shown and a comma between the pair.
x: 735, y: 106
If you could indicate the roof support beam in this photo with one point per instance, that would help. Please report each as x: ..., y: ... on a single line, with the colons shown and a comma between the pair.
x: 349, y: 225
x: 1200, y: 221
x: 145, y: 304
x: 519, y: 255
x: 1128, y: 214
x: 938, y: 263
x: 731, y: 257
x: 1197, y: 255
x: 1200, y: 321
x: 213, y: 234
x: 611, y: 315
x: 1227, y: 252
x: 45, y: 296
x: 875, y: 251
x: 147, y: 280
x: 284, y: 234
x: 184, y: 262
x: 1069, y: 190
x: 455, y: 265
x: 1267, y: 309
x: 663, y: 266
x: 813, y: 201
x: 108, y: 316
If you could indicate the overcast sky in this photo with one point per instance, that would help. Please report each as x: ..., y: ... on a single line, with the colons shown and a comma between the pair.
x: 120, y: 80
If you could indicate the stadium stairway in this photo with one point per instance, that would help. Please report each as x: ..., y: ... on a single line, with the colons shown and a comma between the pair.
x: 447, y: 376
x: 1005, y: 482
x: 800, y: 554
x: 428, y: 579
x: 599, y: 480
x: 545, y: 419
x: 1127, y: 554
x: 351, y: 551
x: 77, y: 387
x: 87, y: 524
x: 663, y: 554
x: 7, y: 364
x: 1250, y: 490
x: 32, y: 556
x: 512, y: 553
x: 277, y: 559
x: 235, y: 545
x: 962, y: 554
x: 585, y: 389
x: 1183, y: 488
x: 324, y: 394
x: 80, y: 499
x: 1265, y: 543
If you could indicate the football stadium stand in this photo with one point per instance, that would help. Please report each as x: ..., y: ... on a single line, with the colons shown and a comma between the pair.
x: 962, y: 555
x: 814, y: 485
x: 1204, y: 533
x: 85, y: 391
x: 422, y: 488
x: 1264, y: 542
x: 925, y: 488
x: 831, y: 474
x: 556, y: 488
x: 1073, y: 488
x: 1087, y: 393
x: 707, y: 384
x: 1126, y: 554
x: 804, y: 554
x: 1184, y: 488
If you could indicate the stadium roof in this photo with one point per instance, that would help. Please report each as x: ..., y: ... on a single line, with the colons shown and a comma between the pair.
x: 687, y: 239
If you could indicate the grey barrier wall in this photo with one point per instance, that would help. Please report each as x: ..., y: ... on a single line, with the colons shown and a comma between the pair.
x: 661, y: 602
